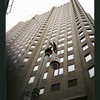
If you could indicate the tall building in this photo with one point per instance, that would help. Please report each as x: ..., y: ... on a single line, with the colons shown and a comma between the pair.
x: 72, y: 30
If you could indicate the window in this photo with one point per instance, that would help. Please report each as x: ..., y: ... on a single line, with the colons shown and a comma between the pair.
x: 41, y: 52
x: 70, y: 48
x: 31, y: 80
x: 81, y: 33
x: 79, y: 28
x: 48, y: 64
x: 52, y: 39
x: 15, y: 61
x: 68, y: 32
x: 77, y: 20
x: 61, y: 39
x: 45, y: 75
x: 69, y: 42
x: 89, y: 30
x: 35, y: 68
x: 78, y: 24
x: 91, y: 72
x: 61, y: 31
x: 55, y: 87
x: 58, y: 71
x: 61, y: 60
x: 85, y: 22
x: 88, y: 57
x: 58, y: 52
x: 85, y: 47
x: 53, y: 35
x: 19, y: 55
x: 68, y: 25
x: 35, y: 41
x: 38, y: 37
x: 93, y: 43
x: 26, y: 45
x: 29, y: 52
x: 23, y: 49
x: 62, y: 28
x: 68, y: 22
x: 62, y: 51
x: 45, y: 40
x: 44, y: 46
x: 83, y: 39
x: 39, y: 59
x: 87, y: 26
x: 54, y: 31
x: 91, y: 36
x: 72, y: 83
x: 28, y: 41
x: 33, y: 46
x: 68, y: 28
x: 60, y: 45
x: 70, y: 57
x: 16, y: 51
x: 69, y: 37
x: 25, y: 59
x: 47, y: 37
x: 61, y: 35
x: 71, y: 68
x: 83, y: 18
x: 41, y: 91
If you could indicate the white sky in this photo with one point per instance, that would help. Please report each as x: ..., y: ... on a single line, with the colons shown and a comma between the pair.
x: 23, y: 10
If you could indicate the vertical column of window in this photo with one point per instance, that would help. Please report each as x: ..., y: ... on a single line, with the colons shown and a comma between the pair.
x: 36, y: 68
x: 61, y: 36
x: 69, y: 43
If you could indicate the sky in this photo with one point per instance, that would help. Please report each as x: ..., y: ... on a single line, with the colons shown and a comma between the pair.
x: 23, y: 10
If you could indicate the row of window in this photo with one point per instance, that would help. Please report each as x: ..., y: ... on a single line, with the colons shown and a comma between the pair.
x: 57, y: 72
x: 56, y: 87
x: 71, y: 83
x: 88, y: 57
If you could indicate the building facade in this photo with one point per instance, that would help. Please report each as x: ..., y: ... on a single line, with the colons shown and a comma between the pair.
x: 72, y: 30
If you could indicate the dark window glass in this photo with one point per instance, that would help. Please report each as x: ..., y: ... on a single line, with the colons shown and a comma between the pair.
x: 72, y: 83
x: 55, y: 87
